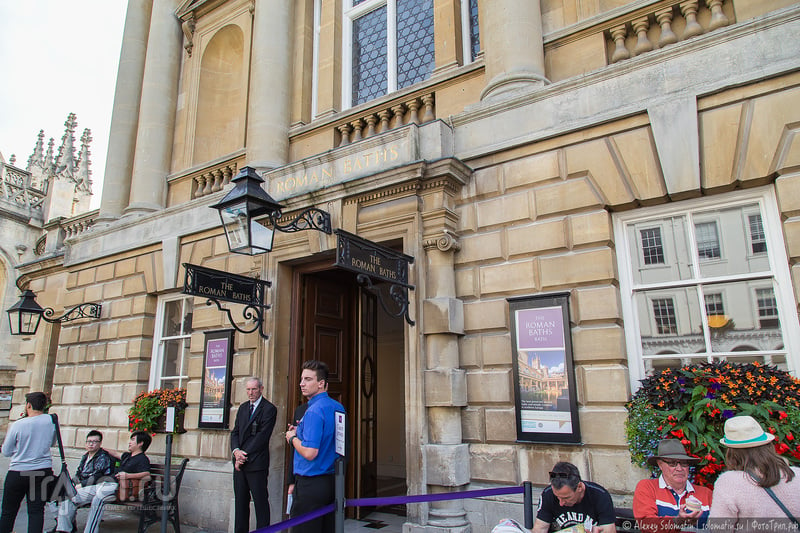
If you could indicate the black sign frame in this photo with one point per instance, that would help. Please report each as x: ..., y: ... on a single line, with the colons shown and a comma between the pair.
x: 541, y: 335
x: 217, y: 371
x: 374, y: 265
x: 217, y: 285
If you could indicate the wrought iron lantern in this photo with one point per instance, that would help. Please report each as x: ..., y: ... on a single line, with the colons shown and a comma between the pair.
x: 25, y: 315
x: 246, y: 202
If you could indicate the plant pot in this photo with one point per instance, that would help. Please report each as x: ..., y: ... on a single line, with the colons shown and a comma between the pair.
x: 161, y: 423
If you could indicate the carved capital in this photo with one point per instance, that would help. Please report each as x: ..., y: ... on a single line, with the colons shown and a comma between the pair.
x: 445, y: 243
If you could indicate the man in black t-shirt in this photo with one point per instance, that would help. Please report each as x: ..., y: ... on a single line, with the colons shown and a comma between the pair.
x: 134, y: 464
x: 568, y: 501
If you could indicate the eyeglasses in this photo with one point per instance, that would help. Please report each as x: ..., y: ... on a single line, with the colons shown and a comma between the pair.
x: 92, y: 441
x: 673, y: 463
x: 563, y: 475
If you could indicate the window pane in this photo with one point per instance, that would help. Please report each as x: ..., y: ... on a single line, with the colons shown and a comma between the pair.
x: 714, y: 306
x: 652, y: 247
x: 758, y: 242
x: 741, y: 327
x: 731, y: 228
x: 415, y: 60
x: 767, y: 308
x: 659, y: 250
x: 172, y: 354
x: 369, y: 56
x: 670, y: 321
x: 707, y: 240
x: 188, y: 307
x: 475, y: 37
x: 172, y: 318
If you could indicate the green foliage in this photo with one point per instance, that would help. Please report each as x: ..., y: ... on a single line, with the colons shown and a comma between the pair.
x: 148, y: 407
x: 693, y: 402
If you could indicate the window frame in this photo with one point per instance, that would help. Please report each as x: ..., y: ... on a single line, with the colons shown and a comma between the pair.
x: 157, y: 359
x: 349, y: 14
x: 778, y: 271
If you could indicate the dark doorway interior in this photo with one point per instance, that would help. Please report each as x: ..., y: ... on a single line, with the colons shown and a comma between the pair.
x: 344, y: 326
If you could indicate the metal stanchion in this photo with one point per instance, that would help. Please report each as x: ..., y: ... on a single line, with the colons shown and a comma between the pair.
x: 166, y: 485
x: 527, y: 502
x: 339, y: 493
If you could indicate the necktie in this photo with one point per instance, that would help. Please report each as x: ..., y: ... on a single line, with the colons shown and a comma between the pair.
x: 252, y: 406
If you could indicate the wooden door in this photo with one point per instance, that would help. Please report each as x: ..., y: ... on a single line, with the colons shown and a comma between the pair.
x: 367, y: 429
x: 325, y: 304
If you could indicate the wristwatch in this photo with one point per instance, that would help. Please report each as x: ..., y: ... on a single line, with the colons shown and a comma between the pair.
x: 291, y: 439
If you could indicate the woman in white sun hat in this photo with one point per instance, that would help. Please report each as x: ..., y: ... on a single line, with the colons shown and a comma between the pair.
x: 759, y: 487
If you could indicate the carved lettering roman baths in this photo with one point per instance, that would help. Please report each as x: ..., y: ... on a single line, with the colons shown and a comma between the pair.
x: 336, y: 171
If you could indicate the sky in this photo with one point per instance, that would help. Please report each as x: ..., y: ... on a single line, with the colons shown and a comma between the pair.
x: 58, y: 57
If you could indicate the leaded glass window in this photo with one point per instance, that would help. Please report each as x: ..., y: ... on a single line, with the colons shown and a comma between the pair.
x: 415, y: 58
x: 391, y: 44
x: 369, y: 56
x: 475, y: 38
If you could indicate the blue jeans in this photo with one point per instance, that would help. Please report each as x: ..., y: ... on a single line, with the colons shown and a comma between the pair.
x: 29, y: 484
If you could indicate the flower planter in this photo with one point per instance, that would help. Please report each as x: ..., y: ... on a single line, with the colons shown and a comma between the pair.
x: 161, y: 423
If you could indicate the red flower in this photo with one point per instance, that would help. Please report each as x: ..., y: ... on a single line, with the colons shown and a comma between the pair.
x: 678, y: 433
x: 789, y: 437
x: 781, y: 448
x: 782, y: 415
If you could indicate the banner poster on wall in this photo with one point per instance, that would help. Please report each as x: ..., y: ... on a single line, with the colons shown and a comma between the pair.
x: 215, y: 392
x: 544, y: 378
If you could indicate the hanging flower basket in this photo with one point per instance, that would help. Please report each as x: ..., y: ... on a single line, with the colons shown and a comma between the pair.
x: 149, y: 410
x: 692, y: 403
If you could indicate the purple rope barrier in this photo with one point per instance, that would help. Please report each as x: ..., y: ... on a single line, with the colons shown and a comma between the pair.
x: 418, y: 498
x: 297, y: 520
x: 391, y: 500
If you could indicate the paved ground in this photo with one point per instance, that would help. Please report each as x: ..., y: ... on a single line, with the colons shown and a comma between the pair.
x: 117, y: 519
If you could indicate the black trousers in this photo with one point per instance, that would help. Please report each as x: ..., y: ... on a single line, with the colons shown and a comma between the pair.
x: 312, y: 493
x: 246, y: 484
x: 31, y: 484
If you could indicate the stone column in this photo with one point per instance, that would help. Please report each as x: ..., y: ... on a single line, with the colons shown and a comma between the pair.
x: 445, y: 383
x: 154, y: 138
x: 511, y: 36
x: 270, y: 85
x: 125, y: 113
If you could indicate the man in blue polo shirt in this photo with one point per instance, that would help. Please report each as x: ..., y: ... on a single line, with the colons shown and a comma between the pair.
x: 314, y: 443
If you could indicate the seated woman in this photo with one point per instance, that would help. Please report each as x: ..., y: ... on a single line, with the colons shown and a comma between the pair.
x: 757, y: 480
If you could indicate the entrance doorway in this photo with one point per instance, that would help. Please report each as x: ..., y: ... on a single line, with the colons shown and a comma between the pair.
x: 341, y: 324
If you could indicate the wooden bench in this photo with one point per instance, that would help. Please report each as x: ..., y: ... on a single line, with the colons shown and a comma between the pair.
x: 626, y: 523
x: 148, y: 498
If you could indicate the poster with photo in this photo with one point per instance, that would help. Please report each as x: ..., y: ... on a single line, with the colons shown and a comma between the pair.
x: 215, y: 392
x: 544, y: 379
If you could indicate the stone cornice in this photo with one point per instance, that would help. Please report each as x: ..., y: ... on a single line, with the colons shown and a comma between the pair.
x: 724, y: 58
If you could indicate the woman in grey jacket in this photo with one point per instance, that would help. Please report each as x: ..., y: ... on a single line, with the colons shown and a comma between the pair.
x: 30, y: 472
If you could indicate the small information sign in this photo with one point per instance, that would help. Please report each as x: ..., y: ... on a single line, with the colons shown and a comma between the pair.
x: 340, y: 433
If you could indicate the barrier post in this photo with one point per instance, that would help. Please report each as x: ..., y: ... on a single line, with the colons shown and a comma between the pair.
x: 527, y: 502
x: 339, y: 494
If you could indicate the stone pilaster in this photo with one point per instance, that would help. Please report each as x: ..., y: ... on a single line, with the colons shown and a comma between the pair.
x: 125, y: 113
x: 446, y: 456
x: 154, y: 137
x: 511, y: 36
x: 270, y: 85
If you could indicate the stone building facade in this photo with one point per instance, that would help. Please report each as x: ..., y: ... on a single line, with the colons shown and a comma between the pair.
x: 513, y: 148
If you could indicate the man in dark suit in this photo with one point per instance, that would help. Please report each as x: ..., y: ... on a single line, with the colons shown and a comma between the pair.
x: 255, y: 421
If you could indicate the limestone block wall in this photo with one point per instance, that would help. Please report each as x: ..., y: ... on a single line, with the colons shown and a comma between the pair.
x: 538, y: 220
